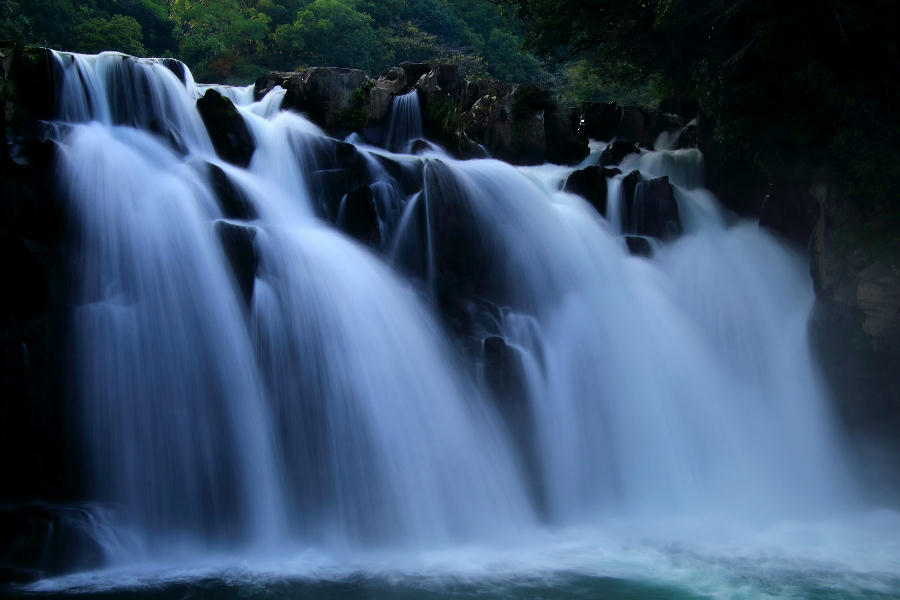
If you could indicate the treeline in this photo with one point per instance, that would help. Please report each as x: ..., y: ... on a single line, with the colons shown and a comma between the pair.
x: 791, y: 86
x: 235, y: 40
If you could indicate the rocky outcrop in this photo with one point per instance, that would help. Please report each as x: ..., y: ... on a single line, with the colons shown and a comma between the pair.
x: 653, y: 211
x: 525, y: 126
x: 591, y: 184
x: 237, y: 244
x: 606, y: 121
x: 38, y: 540
x: 226, y: 127
x: 39, y: 459
x: 358, y: 216
x: 518, y: 123
x: 331, y: 97
x: 856, y: 322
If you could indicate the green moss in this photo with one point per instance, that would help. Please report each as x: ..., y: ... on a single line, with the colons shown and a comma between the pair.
x: 356, y: 115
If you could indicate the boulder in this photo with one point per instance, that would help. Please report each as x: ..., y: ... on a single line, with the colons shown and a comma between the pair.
x: 229, y: 133
x: 564, y: 145
x: 358, y: 216
x: 237, y: 244
x: 590, y: 184
x: 329, y: 96
x: 232, y: 200
x: 617, y: 150
x: 40, y: 540
x: 653, y: 211
x: 638, y: 245
x: 335, y: 169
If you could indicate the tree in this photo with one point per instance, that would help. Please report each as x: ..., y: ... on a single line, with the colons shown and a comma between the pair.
x: 330, y: 32
x: 118, y: 33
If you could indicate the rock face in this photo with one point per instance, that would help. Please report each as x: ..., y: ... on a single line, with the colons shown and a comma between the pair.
x: 237, y: 243
x: 590, y: 184
x: 332, y: 97
x: 358, y: 216
x: 653, y: 210
x: 525, y: 126
x: 40, y: 540
x: 856, y: 324
x: 227, y: 129
x: 40, y: 460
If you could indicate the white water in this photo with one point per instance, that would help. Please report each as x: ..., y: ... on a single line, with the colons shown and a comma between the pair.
x: 406, y: 121
x: 335, y: 417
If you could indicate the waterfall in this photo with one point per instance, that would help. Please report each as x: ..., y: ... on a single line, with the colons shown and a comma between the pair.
x: 406, y: 121
x: 493, y: 363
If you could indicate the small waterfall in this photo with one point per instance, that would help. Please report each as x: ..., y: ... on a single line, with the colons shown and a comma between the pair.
x: 496, y: 363
x: 405, y: 123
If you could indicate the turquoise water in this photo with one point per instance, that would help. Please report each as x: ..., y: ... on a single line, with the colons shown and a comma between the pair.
x: 855, y: 557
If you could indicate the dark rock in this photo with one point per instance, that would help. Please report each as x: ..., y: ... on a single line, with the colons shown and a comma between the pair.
x: 599, y: 121
x: 328, y: 96
x: 590, y: 184
x: 414, y: 71
x: 635, y: 125
x: 638, y: 246
x: 616, y: 151
x: 227, y: 129
x: 461, y: 258
x: 176, y: 66
x: 358, y: 216
x: 564, y: 145
x: 52, y: 540
x: 36, y: 78
x: 232, y: 200
x: 502, y: 369
x: 791, y: 210
x: 237, y: 243
x: 336, y: 168
x: 653, y: 210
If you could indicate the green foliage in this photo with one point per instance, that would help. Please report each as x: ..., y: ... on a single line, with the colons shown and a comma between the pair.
x: 357, y: 117
x: 332, y: 33
x: 233, y: 40
x: 789, y: 85
x: 118, y: 33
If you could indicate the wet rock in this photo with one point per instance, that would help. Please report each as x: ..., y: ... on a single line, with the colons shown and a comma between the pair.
x: 49, y: 540
x: 590, y: 184
x: 358, y: 216
x: 638, y: 246
x: 176, y: 66
x: 564, y: 145
x: 229, y: 133
x: 232, y: 200
x: 617, y: 150
x: 237, y: 243
x: 327, y: 95
x: 653, y: 210
x: 335, y: 169
x: 502, y: 369
x: 35, y: 79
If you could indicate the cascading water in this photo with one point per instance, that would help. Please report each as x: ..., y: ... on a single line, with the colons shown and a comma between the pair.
x: 267, y: 385
x: 406, y: 121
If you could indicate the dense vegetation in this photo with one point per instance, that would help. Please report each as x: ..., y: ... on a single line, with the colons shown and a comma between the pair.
x: 235, y: 40
x: 791, y: 86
